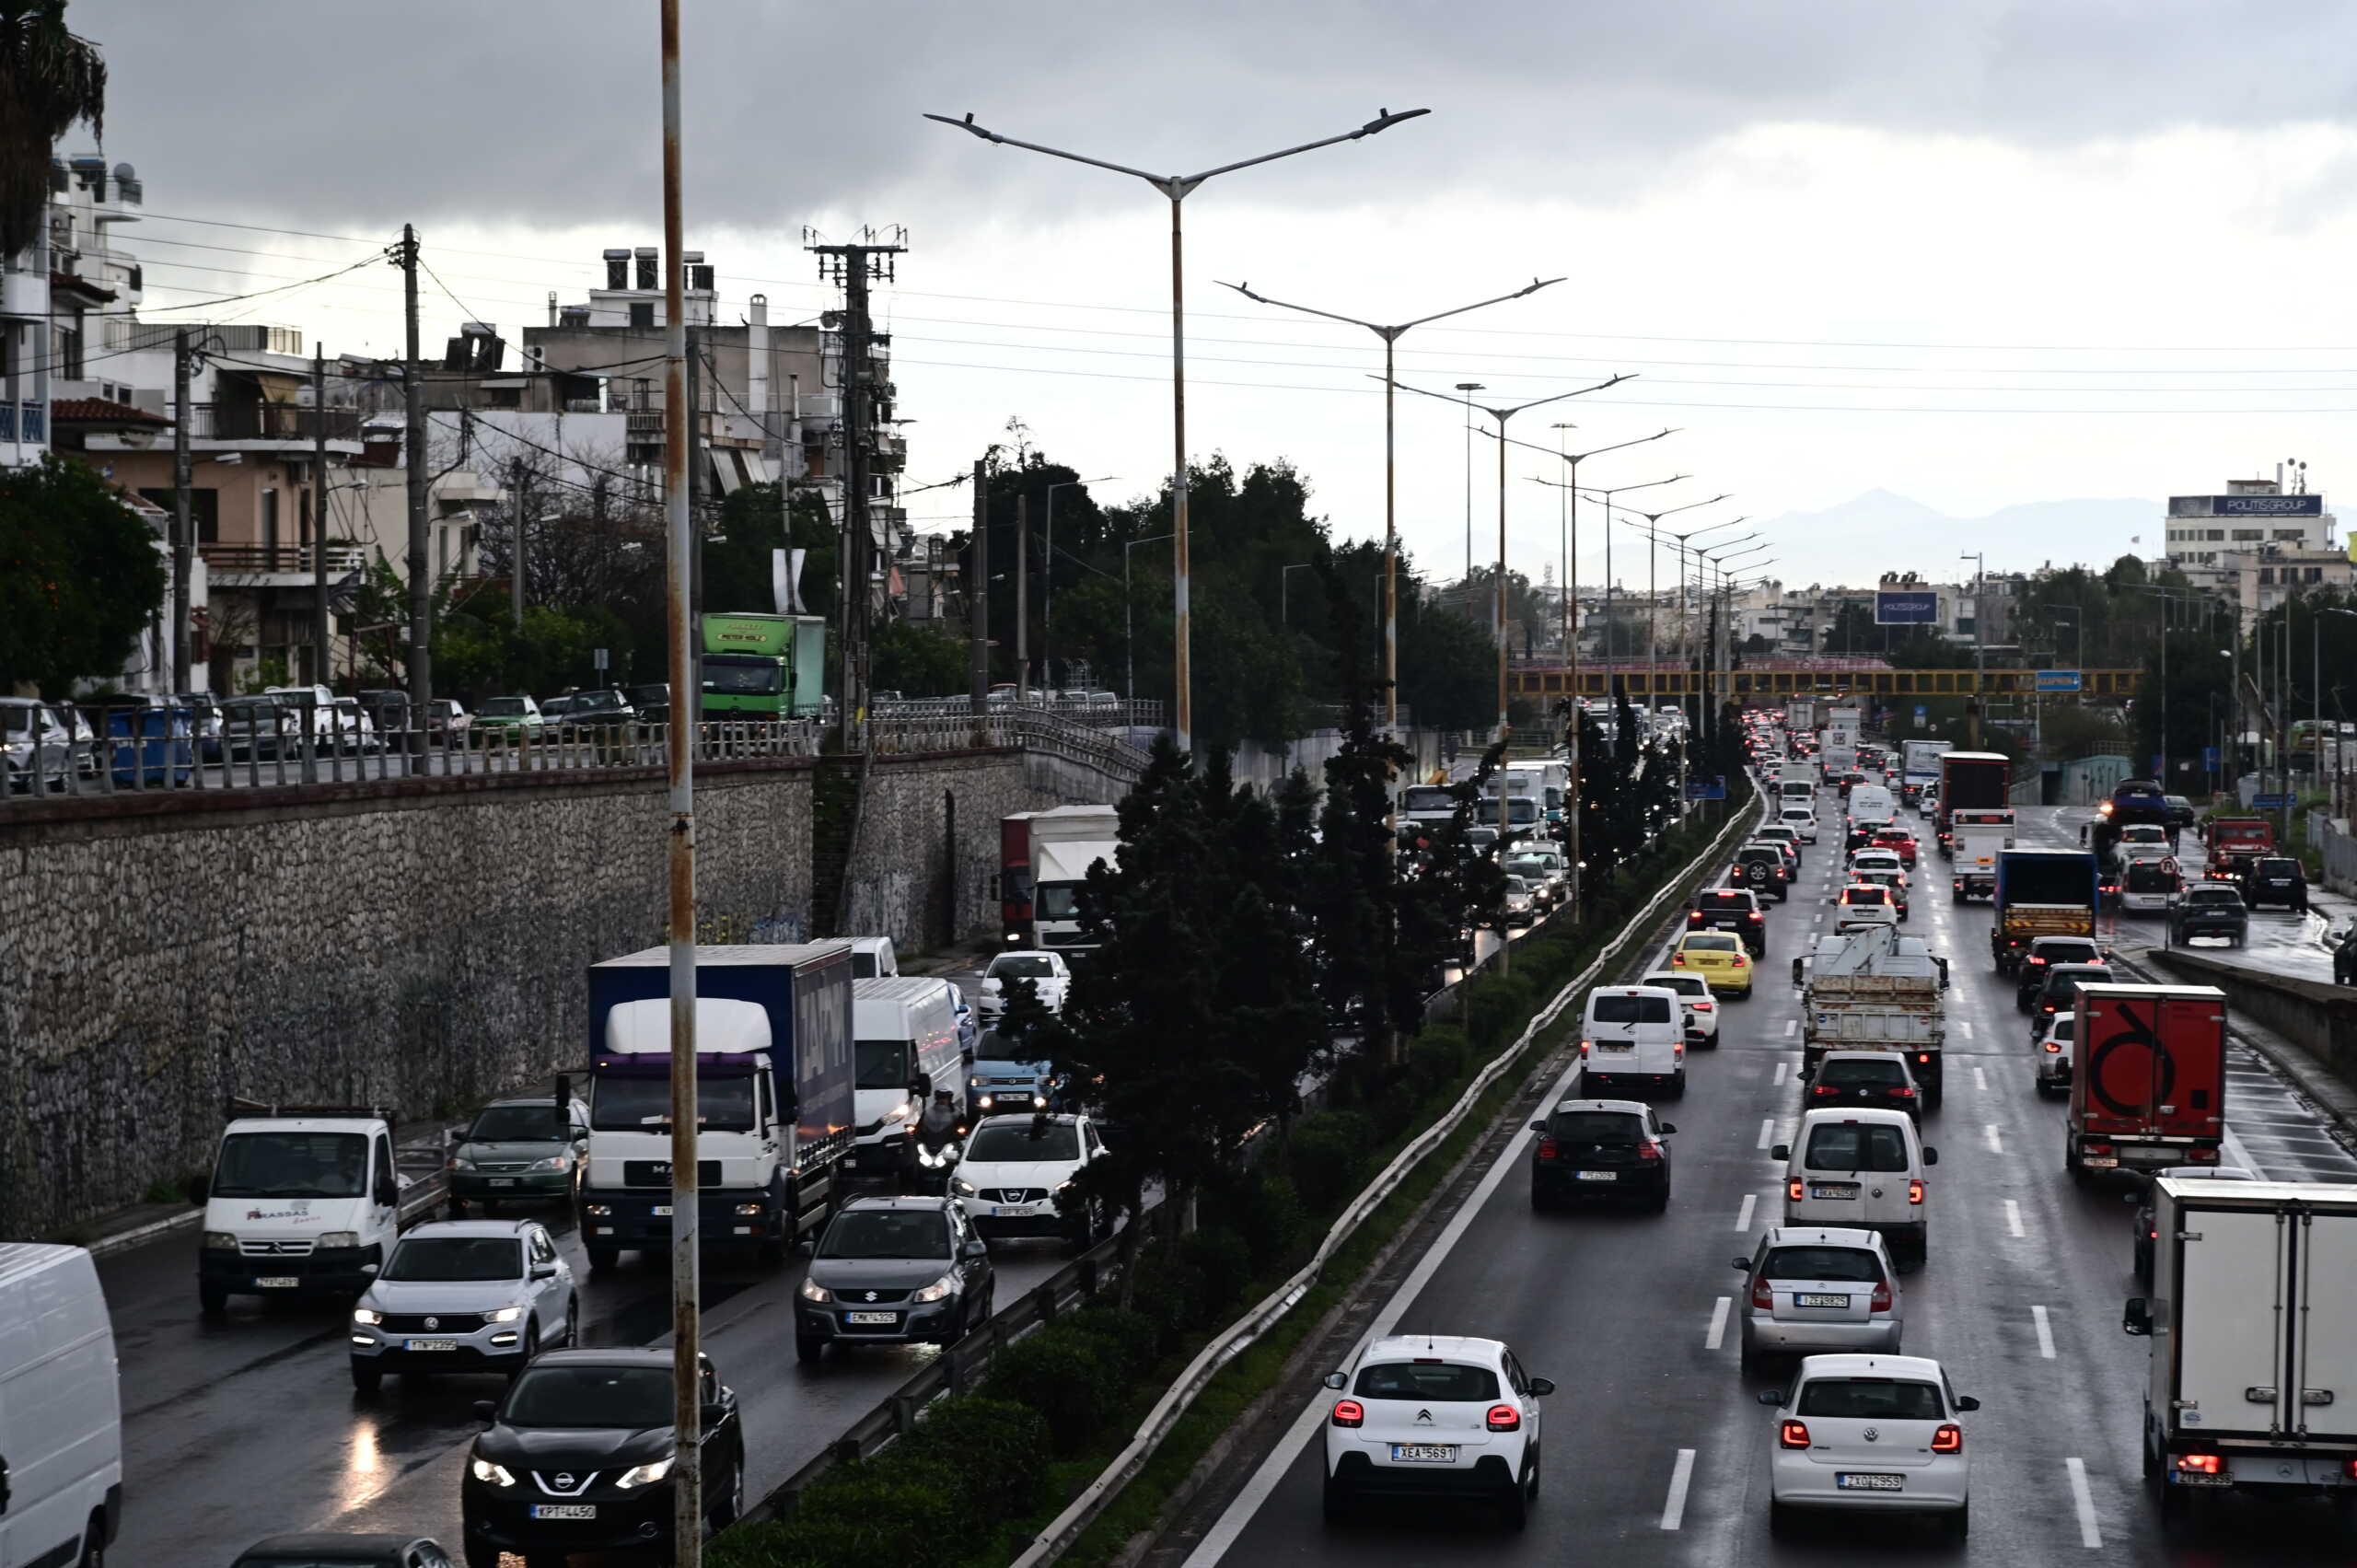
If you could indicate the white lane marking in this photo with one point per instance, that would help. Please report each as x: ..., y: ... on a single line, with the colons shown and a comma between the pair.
x: 1767, y: 1132
x: 1672, y: 1512
x: 1996, y: 1140
x: 1979, y: 1080
x: 1743, y: 1215
x: 2045, y: 1332
x: 2088, y: 1534
x: 1777, y: 1077
x: 2014, y: 1217
x: 1247, y: 1503
x: 1791, y: 1028
x: 1964, y: 1027
x: 1717, y: 1336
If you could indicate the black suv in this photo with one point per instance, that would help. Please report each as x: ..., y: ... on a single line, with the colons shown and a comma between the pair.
x: 1600, y: 1148
x: 2044, y: 953
x: 1760, y: 868
x: 1875, y: 1079
x: 577, y: 1458
x: 2276, y: 879
x: 1731, y: 909
x: 2061, y: 992
x: 2209, y: 909
x: 894, y: 1272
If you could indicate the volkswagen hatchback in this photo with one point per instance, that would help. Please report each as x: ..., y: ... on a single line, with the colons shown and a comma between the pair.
x: 1429, y: 1415
x: 1718, y: 957
x: 1870, y: 1433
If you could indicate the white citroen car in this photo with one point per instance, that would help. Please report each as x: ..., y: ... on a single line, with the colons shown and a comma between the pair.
x: 1870, y: 1434
x: 1434, y: 1416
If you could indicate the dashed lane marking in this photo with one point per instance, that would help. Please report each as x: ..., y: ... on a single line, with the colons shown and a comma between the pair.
x: 1717, y: 1336
x: 2045, y: 1332
x: 2089, y: 1535
x: 1743, y: 1214
x: 1681, y: 1476
x: 1979, y: 1080
x: 1791, y: 1028
x: 1777, y: 1077
x: 2014, y: 1217
x: 1964, y: 1027
x: 1767, y: 1132
x: 1996, y: 1138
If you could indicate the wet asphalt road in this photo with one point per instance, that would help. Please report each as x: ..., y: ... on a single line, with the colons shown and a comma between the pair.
x: 2020, y: 1298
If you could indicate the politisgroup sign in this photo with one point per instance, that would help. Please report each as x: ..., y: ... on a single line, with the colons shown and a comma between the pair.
x: 1907, y: 607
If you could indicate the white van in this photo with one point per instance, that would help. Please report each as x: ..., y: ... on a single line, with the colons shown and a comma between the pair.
x: 1797, y: 792
x: 304, y: 1201
x: 61, y: 1426
x: 872, y: 959
x: 1632, y: 1035
x: 904, y: 1041
x: 1872, y: 803
x: 1859, y: 1170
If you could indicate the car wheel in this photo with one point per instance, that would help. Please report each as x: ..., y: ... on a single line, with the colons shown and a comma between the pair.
x: 1748, y: 1360
x: 1539, y: 1201
x: 808, y: 1348
x: 366, y: 1380
x: 1958, y: 1525
x: 572, y: 1324
x: 457, y: 1208
x: 481, y: 1556
x: 213, y: 1300
x: 1513, y: 1510
x: 731, y: 1507
x: 1661, y: 1198
x: 1336, y: 1501
x: 1779, y: 1520
x: 531, y: 1348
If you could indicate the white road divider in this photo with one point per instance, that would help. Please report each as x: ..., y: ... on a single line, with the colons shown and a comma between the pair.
x: 1066, y: 1527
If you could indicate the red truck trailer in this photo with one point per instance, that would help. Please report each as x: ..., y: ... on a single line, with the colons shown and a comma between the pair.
x: 1972, y: 779
x: 2148, y: 1085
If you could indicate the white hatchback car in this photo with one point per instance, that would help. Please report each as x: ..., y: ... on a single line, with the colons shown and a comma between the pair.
x: 2054, y: 1053
x: 1870, y: 1433
x: 1694, y: 998
x: 1012, y: 1174
x: 464, y: 1296
x: 1430, y: 1415
x: 1044, y: 969
x: 1801, y: 820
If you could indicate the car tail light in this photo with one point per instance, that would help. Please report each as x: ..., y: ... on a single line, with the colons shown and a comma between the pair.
x: 1677, y: 1052
x: 1504, y: 1418
x: 1902, y: 1091
x: 1763, y: 1295
x: 1792, y: 1434
x: 2204, y: 1156
x: 2054, y: 1046
x: 1922, y: 1056
x: 1948, y: 1439
x: 1825, y: 1090
x: 1649, y: 1152
x: 2094, y: 1148
x: 1701, y: 1006
x: 1793, y: 1191
x: 1677, y: 961
x: 1349, y: 1412
x: 1695, y: 917
x: 1915, y: 1191
x: 1546, y: 1148
x: 1756, y: 915
x: 1741, y: 962
x: 1583, y: 1045
x: 1880, y: 1300
x: 2202, y: 1464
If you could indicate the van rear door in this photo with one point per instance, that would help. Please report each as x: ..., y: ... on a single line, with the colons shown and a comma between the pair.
x: 2327, y: 1350
x: 2232, y: 1279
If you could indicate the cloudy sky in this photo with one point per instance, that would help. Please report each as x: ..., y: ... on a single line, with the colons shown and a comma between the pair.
x: 1980, y: 254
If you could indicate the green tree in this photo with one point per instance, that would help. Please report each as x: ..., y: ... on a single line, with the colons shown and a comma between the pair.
x: 80, y: 576
x: 918, y: 661
x: 50, y: 80
x: 754, y: 521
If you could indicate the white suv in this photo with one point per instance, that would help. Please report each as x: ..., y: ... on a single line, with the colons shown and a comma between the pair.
x: 1694, y: 999
x: 464, y: 1296
x: 1046, y: 970
x: 1013, y: 1176
x: 1870, y: 1433
x: 1426, y: 1415
x: 1801, y: 820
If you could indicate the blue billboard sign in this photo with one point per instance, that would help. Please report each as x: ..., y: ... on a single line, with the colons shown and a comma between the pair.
x: 2058, y: 680
x: 1711, y: 789
x: 1907, y: 608
x: 2270, y: 802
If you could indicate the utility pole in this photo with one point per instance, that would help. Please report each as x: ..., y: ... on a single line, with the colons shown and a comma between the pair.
x: 517, y: 494
x: 321, y: 671
x: 695, y: 470
x: 854, y: 266
x: 413, y: 454
x: 686, y: 1325
x: 183, y: 545
x: 977, y: 590
x: 1022, y: 599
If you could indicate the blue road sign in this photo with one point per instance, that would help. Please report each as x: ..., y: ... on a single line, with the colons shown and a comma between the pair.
x: 2160, y: 765
x: 1711, y: 789
x: 2209, y: 756
x: 1920, y: 712
x: 2270, y: 802
x: 2058, y: 680
x: 1907, y: 608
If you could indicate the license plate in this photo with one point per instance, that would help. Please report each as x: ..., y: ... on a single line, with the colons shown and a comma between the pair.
x: 1598, y: 1175
x: 503, y: 1182
x: 871, y: 1317
x: 1012, y: 1212
x: 661, y: 1210
x: 1614, y: 1045
x: 565, y: 1510
x: 2195, y: 1478
x: 2100, y: 1162
x: 1848, y: 1482
x: 1835, y: 1190
x: 1423, y: 1453
x: 429, y: 1345
x: 277, y: 1282
x: 1822, y: 1300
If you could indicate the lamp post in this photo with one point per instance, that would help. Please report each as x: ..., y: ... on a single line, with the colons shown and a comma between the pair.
x: 1048, y: 579
x: 1607, y: 496
x: 2315, y: 702
x: 1178, y: 188
x: 1652, y: 605
x: 1284, y: 580
x: 1979, y: 560
x: 1716, y: 560
x: 1677, y: 543
x: 1500, y: 415
x: 1390, y: 336
x: 1468, y: 389
x: 1129, y: 637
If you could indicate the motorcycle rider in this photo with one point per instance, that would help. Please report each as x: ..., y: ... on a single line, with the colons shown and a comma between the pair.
x: 939, y: 1130
x: 2344, y: 958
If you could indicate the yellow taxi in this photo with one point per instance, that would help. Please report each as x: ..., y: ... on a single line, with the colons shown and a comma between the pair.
x: 1718, y: 957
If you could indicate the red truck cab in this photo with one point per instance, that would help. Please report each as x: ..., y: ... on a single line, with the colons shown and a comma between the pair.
x: 2233, y: 843
x: 2148, y: 1086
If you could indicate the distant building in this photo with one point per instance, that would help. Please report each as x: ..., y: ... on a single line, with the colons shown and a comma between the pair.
x: 2257, y: 543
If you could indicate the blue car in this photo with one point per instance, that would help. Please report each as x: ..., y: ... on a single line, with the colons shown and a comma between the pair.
x: 998, y: 1084
x: 151, y: 747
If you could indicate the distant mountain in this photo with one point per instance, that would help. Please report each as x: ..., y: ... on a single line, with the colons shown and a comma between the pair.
x: 1879, y: 532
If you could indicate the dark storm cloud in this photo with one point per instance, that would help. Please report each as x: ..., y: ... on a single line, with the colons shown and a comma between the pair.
x: 538, y: 112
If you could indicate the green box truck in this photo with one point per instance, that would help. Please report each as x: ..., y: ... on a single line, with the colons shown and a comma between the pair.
x: 764, y: 666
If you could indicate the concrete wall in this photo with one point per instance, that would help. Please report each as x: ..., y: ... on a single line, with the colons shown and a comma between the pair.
x: 2318, y: 1018
x: 417, y: 943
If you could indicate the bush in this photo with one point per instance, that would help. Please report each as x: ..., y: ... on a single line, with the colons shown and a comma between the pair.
x: 1126, y: 1341
x: 1434, y: 1062
x: 1327, y: 1154
x: 1071, y: 1379
x: 997, y: 1447
x: 1262, y: 1208
x: 1496, y: 1008
x: 1225, y: 1262
x: 1169, y: 1293
x: 889, y: 1508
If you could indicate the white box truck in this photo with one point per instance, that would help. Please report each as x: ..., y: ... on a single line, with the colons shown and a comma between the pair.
x: 2253, y: 1373
x: 1044, y: 857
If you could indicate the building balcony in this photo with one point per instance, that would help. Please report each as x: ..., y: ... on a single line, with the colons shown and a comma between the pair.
x: 262, y: 424
x: 276, y: 565
x: 27, y: 421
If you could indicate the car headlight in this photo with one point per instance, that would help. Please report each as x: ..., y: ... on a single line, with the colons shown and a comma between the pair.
x: 963, y: 1188
x: 974, y: 1083
x: 491, y: 1474
x: 502, y: 1315
x: 460, y: 1162
x: 363, y: 1315
x: 643, y: 1475
x: 339, y: 1238
x: 816, y: 1292
x: 220, y: 1241
x: 554, y: 1162
x: 936, y: 1290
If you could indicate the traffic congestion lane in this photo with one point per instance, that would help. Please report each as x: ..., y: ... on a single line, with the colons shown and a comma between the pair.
x: 1656, y: 1450
x: 236, y: 1429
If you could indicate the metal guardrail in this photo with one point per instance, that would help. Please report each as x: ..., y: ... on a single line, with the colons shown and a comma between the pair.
x: 1038, y: 729
x: 1066, y: 1527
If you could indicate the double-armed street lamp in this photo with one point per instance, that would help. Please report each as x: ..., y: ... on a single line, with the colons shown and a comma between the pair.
x: 1176, y: 188
x: 1390, y: 336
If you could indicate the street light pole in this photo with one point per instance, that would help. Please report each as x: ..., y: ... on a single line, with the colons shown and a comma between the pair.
x: 1285, y: 581
x: 1653, y: 607
x: 1391, y: 336
x: 1468, y: 389
x: 1607, y: 495
x: 1129, y: 637
x: 1048, y: 579
x: 1178, y: 188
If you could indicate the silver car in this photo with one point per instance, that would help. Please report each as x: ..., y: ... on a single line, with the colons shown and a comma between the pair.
x: 1810, y: 1289
x: 464, y: 1296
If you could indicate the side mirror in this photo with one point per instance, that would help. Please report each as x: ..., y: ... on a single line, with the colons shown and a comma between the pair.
x: 1744, y: 1264
x: 1771, y: 1396
x: 1542, y: 1387
x: 1667, y: 1128
x: 368, y: 1268
x: 1336, y: 1380
x: 1781, y: 1151
x: 716, y: 1410
x: 385, y: 1195
x: 545, y: 1271
x: 2137, y: 1318
x: 1931, y: 1156
x: 1540, y: 1125
x: 993, y: 987
x: 486, y: 1411
x: 1967, y: 1402
x: 977, y: 1248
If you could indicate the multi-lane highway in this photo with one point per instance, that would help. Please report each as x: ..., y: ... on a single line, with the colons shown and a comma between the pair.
x: 242, y: 1428
x: 1657, y: 1449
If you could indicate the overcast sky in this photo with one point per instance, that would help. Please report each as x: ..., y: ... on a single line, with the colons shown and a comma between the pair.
x: 1979, y: 254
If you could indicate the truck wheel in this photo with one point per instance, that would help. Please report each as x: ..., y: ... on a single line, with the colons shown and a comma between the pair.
x: 603, y: 1259
x: 1932, y: 1094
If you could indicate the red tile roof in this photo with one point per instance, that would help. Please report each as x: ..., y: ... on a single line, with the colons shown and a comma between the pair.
x: 102, y: 411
